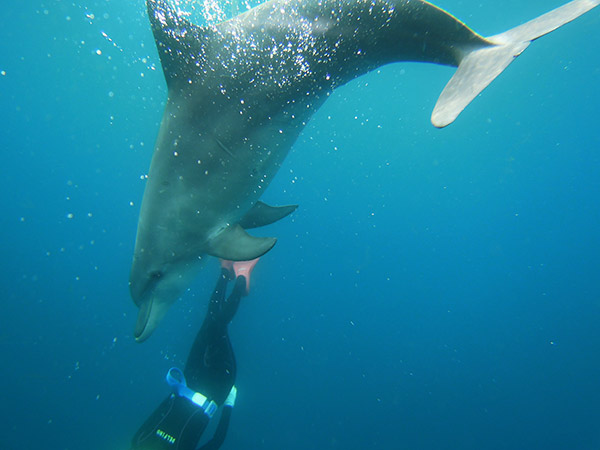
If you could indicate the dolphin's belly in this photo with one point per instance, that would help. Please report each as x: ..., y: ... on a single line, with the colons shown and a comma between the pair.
x: 206, y: 177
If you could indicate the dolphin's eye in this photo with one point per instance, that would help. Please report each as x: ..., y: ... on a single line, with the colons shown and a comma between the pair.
x: 151, y: 282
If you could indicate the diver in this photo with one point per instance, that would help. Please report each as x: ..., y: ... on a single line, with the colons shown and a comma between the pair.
x: 208, y: 379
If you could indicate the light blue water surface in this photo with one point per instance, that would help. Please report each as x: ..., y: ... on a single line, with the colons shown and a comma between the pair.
x: 436, y: 289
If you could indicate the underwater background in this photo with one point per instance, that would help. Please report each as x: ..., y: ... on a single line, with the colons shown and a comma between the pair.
x: 436, y: 289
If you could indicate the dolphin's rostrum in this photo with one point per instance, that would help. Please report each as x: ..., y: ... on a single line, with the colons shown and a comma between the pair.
x: 239, y: 94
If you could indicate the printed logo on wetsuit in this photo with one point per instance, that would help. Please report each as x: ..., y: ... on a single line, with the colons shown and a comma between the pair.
x: 166, y: 436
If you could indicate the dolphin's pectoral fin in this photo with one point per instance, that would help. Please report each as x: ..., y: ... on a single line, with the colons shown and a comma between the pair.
x: 262, y: 214
x: 179, y: 42
x: 481, y: 65
x: 235, y: 244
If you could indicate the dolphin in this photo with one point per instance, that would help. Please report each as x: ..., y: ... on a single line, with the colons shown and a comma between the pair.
x: 240, y: 93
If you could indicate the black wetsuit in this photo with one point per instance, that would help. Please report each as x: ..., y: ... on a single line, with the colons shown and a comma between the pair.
x: 178, y: 423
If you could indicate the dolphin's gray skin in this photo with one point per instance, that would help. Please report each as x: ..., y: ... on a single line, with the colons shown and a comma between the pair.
x: 241, y: 92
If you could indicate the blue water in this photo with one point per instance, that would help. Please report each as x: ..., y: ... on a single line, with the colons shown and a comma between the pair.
x: 436, y: 289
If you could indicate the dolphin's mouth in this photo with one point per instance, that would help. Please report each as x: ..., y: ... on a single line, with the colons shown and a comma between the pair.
x: 142, y: 320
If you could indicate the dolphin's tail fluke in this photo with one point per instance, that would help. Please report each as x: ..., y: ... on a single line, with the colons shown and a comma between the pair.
x: 481, y: 65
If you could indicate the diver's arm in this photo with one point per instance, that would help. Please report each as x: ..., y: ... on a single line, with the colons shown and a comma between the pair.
x: 219, y: 437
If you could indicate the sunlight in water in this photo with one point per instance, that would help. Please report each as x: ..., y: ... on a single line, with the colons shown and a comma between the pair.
x: 212, y: 12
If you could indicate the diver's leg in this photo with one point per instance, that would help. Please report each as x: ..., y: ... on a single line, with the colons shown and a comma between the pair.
x: 207, y: 333
x: 218, y: 295
x: 211, y: 362
x: 230, y: 306
x: 211, y: 366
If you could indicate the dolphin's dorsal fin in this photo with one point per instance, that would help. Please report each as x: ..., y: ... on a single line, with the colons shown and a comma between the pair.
x: 180, y: 43
x: 262, y: 214
x: 234, y: 244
